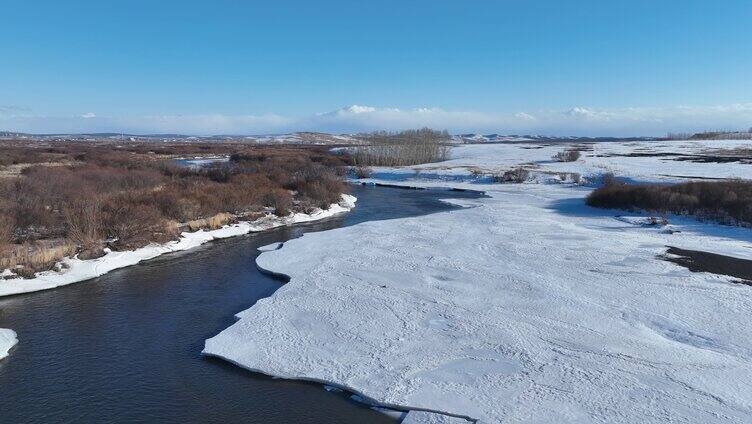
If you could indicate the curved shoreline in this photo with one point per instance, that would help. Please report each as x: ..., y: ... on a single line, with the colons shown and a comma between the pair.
x: 374, y: 403
x: 351, y: 313
x: 8, y: 339
x: 82, y: 270
x: 366, y: 399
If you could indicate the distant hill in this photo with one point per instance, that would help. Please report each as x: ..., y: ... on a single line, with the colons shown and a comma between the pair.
x: 315, y: 138
x: 302, y: 137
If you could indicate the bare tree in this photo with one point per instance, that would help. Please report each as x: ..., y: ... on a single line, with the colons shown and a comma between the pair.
x: 410, y: 147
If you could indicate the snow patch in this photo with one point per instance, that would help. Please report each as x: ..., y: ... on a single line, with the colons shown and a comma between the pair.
x: 270, y: 247
x: 8, y: 339
x: 531, y: 307
x: 514, y: 311
x: 644, y: 221
x: 424, y: 417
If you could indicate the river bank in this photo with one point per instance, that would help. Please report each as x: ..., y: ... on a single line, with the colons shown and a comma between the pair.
x: 127, y: 345
x: 75, y: 270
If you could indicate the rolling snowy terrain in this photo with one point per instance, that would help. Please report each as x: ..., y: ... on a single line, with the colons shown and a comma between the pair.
x: 526, y: 306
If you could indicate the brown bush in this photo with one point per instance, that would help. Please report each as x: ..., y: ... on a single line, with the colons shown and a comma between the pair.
x: 132, y: 225
x: 84, y: 220
x: 362, y: 172
x: 280, y: 200
x: 516, y: 175
x: 729, y: 202
x: 319, y: 187
x: 7, y: 223
x: 609, y: 179
x: 130, y: 195
x: 567, y: 155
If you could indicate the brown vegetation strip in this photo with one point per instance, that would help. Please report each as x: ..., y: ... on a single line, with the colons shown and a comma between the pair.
x: 105, y: 196
x: 728, y: 202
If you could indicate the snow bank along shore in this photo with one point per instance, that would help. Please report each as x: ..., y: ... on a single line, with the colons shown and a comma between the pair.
x: 7, y: 341
x: 79, y: 270
x: 524, y: 307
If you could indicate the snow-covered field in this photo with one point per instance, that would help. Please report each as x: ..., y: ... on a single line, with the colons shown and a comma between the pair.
x: 526, y: 306
x: 79, y: 270
x: 7, y: 341
x: 604, y: 158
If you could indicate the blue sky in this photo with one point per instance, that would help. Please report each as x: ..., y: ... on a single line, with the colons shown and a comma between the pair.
x: 553, y: 67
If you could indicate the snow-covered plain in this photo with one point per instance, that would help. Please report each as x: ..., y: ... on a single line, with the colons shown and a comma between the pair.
x: 526, y: 306
x: 80, y: 270
x: 7, y: 341
x: 603, y: 158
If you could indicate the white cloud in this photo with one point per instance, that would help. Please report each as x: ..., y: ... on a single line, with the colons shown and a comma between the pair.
x: 586, y: 113
x: 579, y: 120
x: 525, y: 116
x: 355, y: 109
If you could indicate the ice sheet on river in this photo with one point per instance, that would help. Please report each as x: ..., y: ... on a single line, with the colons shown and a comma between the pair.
x: 526, y: 307
x: 7, y: 341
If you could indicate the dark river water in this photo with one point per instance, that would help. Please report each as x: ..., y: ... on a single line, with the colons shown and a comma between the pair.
x: 126, y: 347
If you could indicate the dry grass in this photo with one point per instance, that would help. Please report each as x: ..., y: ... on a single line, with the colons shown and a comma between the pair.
x: 34, y: 257
x: 213, y: 222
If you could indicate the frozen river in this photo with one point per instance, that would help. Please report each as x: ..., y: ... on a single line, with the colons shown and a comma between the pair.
x: 125, y: 347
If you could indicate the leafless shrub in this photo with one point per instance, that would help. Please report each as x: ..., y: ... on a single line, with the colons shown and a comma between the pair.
x: 574, y: 177
x: 567, y: 155
x: 280, y: 200
x: 728, y: 202
x: 516, y: 175
x: 362, y: 172
x: 476, y: 172
x: 132, y: 225
x: 83, y: 216
x: 609, y: 179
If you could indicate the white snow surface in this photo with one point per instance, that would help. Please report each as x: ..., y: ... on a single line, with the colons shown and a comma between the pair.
x: 603, y: 158
x: 524, y: 307
x: 8, y: 339
x: 80, y: 270
x: 423, y: 417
